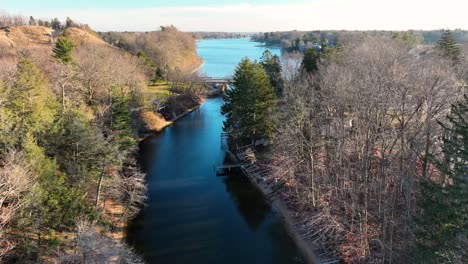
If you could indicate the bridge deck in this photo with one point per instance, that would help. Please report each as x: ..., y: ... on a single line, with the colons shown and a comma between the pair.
x: 216, y: 80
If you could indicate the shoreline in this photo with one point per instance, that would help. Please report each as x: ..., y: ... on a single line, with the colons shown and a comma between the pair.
x: 148, y: 131
x: 278, y: 206
x: 285, y: 214
x: 197, y: 65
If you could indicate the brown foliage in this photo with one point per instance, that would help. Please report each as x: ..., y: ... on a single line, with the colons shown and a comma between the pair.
x: 103, y: 69
x: 352, y: 142
x: 15, y: 180
x: 171, y: 48
x: 153, y: 121
x: 91, y: 247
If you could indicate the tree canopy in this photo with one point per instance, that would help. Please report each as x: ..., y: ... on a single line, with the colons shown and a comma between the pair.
x: 443, y: 226
x: 448, y: 47
x: 249, y: 103
x: 310, y: 60
x: 272, y: 66
x: 63, y: 49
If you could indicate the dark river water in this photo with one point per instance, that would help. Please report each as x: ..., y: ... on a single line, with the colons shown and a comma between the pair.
x: 194, y: 216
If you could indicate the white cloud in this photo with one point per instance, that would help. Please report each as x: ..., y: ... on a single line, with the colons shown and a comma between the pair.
x: 316, y: 15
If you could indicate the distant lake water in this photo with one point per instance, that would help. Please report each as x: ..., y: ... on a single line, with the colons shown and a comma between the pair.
x: 222, y: 55
x: 193, y: 215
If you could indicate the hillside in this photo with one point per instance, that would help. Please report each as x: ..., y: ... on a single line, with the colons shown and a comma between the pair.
x: 25, y: 36
x: 39, y: 36
x: 49, y: 201
x: 83, y: 36
x: 166, y: 48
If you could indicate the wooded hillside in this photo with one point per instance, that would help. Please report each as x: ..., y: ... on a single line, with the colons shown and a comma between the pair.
x: 369, y: 147
x: 167, y: 48
x: 68, y: 173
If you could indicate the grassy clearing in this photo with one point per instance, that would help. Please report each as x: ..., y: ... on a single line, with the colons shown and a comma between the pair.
x: 160, y: 90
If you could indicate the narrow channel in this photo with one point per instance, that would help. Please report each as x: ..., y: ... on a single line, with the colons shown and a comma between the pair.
x: 194, y: 216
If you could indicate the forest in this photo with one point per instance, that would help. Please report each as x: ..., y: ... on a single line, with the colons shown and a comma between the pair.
x: 368, y: 145
x: 291, y: 41
x: 363, y: 136
x: 167, y: 47
x: 219, y: 35
x: 69, y: 176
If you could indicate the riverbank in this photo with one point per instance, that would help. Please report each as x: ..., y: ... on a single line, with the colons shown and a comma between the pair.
x: 152, y: 122
x: 279, y: 206
x: 286, y: 215
x: 198, y: 65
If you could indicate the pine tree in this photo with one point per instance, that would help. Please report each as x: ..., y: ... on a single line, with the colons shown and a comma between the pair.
x: 443, y: 226
x: 448, y: 47
x: 63, y: 49
x: 55, y: 24
x: 249, y: 103
x: 69, y: 23
x: 311, y: 60
x: 30, y: 100
x: 146, y: 60
x: 272, y: 66
x: 32, y: 21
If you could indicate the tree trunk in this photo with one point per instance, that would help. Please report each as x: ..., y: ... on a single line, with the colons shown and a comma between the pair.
x: 98, y: 191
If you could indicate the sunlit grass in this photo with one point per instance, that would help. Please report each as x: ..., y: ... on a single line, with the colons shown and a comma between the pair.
x: 158, y: 90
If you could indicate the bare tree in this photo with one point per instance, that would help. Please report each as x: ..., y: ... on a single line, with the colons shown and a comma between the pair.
x: 15, y: 181
x: 91, y: 247
x: 128, y: 188
x: 8, y: 20
x: 355, y: 142
x: 291, y: 65
x: 98, y: 72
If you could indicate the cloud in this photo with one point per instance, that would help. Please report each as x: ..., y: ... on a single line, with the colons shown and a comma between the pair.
x: 315, y: 15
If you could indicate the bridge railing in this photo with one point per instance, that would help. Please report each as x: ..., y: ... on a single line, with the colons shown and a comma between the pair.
x: 213, y: 80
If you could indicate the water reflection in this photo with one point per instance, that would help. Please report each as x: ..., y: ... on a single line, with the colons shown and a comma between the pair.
x: 193, y: 216
x: 249, y: 201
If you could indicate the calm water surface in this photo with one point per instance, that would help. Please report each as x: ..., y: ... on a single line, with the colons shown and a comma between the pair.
x: 222, y: 55
x: 193, y: 216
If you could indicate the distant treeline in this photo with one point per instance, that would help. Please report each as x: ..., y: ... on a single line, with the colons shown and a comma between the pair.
x: 9, y: 20
x: 219, y: 35
x: 301, y: 40
x: 168, y: 47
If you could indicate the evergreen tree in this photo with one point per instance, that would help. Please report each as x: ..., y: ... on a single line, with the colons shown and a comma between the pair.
x: 142, y: 55
x: 80, y: 150
x: 63, y: 49
x: 249, y: 103
x: 69, y: 23
x: 158, y: 75
x: 122, y: 122
x: 55, y: 24
x: 32, y: 21
x: 311, y: 60
x: 51, y: 205
x: 30, y: 101
x: 272, y: 66
x: 443, y: 226
x: 448, y: 47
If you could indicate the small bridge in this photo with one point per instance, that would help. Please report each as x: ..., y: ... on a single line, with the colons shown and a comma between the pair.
x: 213, y: 80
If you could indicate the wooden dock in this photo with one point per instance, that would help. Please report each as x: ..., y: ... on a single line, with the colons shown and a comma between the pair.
x: 259, y: 175
x: 226, y: 168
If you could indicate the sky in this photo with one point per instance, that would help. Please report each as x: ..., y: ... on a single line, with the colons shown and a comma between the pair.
x: 250, y: 16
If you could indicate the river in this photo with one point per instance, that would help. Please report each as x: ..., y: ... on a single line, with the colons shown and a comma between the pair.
x: 194, y: 216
